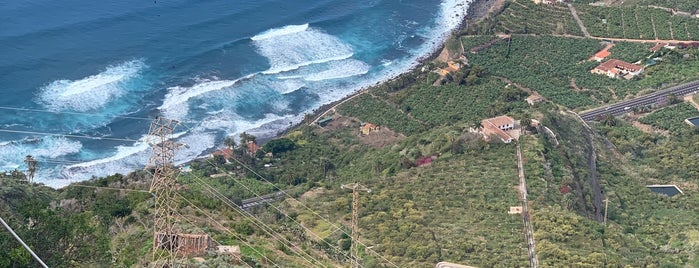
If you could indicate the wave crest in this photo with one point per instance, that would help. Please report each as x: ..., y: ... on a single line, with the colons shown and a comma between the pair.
x: 92, y: 92
x: 289, y: 29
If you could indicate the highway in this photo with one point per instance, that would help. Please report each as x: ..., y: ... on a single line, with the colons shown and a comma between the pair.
x: 653, y: 98
x: 256, y: 201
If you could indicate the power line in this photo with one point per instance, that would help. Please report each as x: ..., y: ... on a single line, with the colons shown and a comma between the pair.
x: 202, y: 230
x: 108, y: 188
x: 226, y: 229
x: 313, y: 211
x: 9, y: 229
x: 269, y: 230
x: 66, y: 135
x: 73, y: 113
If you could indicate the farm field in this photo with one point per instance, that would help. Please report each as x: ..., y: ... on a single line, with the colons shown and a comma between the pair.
x: 637, y: 23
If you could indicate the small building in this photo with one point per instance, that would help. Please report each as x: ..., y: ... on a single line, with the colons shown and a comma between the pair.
x: 186, y: 244
x: 226, y: 153
x: 534, y: 99
x: 367, y: 128
x: 497, y: 126
x: 615, y: 68
x: 602, y: 54
x: 599, y: 56
x: 515, y: 210
x: 324, y: 121
x: 668, y: 190
x: 252, y: 147
x: 451, y: 68
x: 658, y: 46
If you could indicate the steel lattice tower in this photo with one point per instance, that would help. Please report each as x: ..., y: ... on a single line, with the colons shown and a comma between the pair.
x: 165, y: 248
x: 356, y: 188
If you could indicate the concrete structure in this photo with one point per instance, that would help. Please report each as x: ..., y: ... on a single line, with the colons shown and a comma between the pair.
x: 497, y: 126
x: 617, y: 68
x: 451, y: 265
x: 665, y: 189
x: 230, y: 250
x: 515, y: 210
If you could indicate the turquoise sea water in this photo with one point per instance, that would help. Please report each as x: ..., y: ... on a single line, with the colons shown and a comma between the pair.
x: 103, y: 68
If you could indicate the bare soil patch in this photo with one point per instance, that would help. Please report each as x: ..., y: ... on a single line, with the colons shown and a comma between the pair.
x: 381, y: 137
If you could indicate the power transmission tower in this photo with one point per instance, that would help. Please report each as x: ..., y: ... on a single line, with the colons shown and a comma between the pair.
x: 165, y: 246
x: 356, y: 188
x: 32, y: 165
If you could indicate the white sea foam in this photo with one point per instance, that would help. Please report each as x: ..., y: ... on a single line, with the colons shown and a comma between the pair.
x: 290, y: 67
x: 291, y: 47
x: 92, y: 92
x: 297, y: 52
x: 340, y: 69
x: 289, y: 29
x: 175, y: 104
x: 12, y: 153
x: 288, y: 85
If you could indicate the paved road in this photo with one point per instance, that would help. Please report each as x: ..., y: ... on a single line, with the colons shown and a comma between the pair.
x: 256, y: 201
x: 653, y: 98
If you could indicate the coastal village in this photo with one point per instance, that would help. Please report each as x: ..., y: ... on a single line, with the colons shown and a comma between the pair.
x: 543, y: 133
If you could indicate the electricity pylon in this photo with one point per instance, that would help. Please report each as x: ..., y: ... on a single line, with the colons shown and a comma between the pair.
x: 32, y: 165
x: 165, y: 248
x: 356, y: 188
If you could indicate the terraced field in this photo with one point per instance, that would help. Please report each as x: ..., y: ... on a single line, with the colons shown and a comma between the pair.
x: 637, y: 23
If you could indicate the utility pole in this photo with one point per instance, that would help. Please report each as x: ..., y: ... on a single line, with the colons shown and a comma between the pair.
x: 356, y: 188
x: 165, y: 246
x: 32, y: 165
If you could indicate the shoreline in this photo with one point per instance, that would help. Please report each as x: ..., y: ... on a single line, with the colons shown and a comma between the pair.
x: 477, y: 10
x: 460, y: 16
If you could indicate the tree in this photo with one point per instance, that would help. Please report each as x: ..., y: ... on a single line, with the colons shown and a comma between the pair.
x: 245, y: 138
x: 279, y: 145
x: 609, y: 120
x: 672, y: 99
x: 229, y: 142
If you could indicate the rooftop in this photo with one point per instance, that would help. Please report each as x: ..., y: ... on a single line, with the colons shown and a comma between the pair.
x: 612, y: 64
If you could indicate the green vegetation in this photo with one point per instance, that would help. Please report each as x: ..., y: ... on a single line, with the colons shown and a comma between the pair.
x: 681, y: 5
x: 525, y: 17
x: 638, y: 22
x: 671, y: 118
x: 563, y: 61
x: 631, y: 52
x: 452, y: 209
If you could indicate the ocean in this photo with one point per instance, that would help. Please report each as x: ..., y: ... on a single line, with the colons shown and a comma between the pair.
x: 81, y: 80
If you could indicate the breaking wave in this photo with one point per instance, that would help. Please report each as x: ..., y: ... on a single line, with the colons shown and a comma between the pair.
x: 92, y: 92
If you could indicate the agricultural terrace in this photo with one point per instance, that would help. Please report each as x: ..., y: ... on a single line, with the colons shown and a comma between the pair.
x: 454, y: 209
x: 637, y: 23
x: 681, y: 5
x: 671, y: 118
x: 525, y: 17
x: 564, y: 63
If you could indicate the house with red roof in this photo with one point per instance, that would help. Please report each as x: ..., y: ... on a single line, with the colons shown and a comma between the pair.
x: 497, y: 126
x: 618, y: 68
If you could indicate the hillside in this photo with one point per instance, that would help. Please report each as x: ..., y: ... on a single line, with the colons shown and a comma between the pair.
x: 439, y: 191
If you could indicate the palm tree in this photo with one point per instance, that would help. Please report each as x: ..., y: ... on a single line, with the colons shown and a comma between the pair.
x: 229, y: 142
